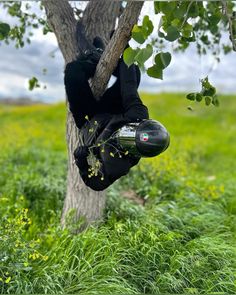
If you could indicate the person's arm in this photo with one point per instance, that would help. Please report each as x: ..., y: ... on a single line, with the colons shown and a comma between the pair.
x: 97, y: 182
x: 134, y: 109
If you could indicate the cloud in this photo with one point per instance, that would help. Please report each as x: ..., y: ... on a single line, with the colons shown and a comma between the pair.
x: 186, y: 69
x: 18, y: 65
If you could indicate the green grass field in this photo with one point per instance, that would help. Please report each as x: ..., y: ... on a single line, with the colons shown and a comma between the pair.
x: 182, y: 241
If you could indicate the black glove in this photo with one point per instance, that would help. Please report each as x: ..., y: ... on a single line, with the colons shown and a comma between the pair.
x: 81, y: 152
x: 80, y: 155
x: 98, y: 43
x: 89, y: 59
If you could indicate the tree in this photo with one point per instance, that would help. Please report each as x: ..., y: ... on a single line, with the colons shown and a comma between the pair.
x: 181, y: 23
x: 87, y: 203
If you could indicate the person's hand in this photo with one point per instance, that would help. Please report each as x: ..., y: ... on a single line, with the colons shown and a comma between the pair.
x: 81, y: 152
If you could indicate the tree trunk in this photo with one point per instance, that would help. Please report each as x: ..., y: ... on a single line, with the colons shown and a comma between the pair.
x: 99, y: 20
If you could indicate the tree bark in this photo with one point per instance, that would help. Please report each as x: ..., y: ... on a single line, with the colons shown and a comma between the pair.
x: 61, y: 20
x: 117, y: 45
x: 99, y: 20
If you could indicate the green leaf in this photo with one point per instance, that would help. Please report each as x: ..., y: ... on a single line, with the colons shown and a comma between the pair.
x: 205, y: 83
x: 209, y: 92
x: 4, y: 30
x: 207, y: 88
x: 157, y: 8
x: 207, y: 100
x: 168, y: 7
x: 199, y: 97
x: 172, y: 34
x: 137, y: 34
x: 163, y: 59
x: 215, y: 101
x: 194, y: 10
x: 155, y: 72
x: 147, y: 27
x: 181, y: 10
x: 234, y: 27
x: 33, y: 83
x: 129, y: 55
x: 161, y: 35
x: 144, y: 54
x: 187, y: 30
x: 140, y: 33
x: 191, y: 96
x: 14, y: 10
x: 215, y: 18
x: 176, y: 23
x: 164, y: 7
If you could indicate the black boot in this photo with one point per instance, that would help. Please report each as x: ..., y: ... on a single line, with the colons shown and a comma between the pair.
x: 89, y: 54
x: 128, y: 80
x: 83, y: 43
x: 98, y: 43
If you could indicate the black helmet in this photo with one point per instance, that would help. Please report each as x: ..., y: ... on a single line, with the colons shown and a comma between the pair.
x: 147, y: 138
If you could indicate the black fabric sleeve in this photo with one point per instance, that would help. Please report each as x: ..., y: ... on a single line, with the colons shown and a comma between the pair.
x: 79, y: 94
x: 97, y: 183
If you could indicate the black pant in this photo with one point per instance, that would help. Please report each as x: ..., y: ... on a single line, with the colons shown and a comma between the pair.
x: 121, y: 98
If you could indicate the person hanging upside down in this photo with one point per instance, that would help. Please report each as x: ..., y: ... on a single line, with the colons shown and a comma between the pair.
x: 104, y: 154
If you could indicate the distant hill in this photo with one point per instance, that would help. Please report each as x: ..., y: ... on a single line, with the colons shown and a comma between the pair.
x: 22, y: 101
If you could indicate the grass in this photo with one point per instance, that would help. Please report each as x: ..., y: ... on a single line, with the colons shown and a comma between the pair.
x: 182, y: 241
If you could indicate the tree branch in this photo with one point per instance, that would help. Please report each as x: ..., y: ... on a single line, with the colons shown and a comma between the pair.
x: 61, y: 19
x: 231, y: 30
x: 115, y: 47
x: 98, y: 19
x: 63, y: 24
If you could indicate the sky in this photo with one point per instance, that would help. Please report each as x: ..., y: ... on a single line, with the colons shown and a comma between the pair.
x: 183, y: 74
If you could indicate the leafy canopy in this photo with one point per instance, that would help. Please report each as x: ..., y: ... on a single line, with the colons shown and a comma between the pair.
x: 182, y: 23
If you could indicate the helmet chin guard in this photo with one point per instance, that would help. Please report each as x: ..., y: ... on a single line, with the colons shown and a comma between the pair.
x: 147, y: 138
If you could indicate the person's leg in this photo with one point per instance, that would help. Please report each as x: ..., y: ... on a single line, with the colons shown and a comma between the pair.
x: 134, y: 109
x: 80, y: 97
x: 111, y: 101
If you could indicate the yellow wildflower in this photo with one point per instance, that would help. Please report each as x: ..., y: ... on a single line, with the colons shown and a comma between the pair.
x: 8, y: 280
x: 45, y: 258
x: 34, y: 256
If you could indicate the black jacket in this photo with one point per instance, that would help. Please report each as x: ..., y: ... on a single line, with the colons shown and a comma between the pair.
x: 98, y: 120
x: 114, y: 161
